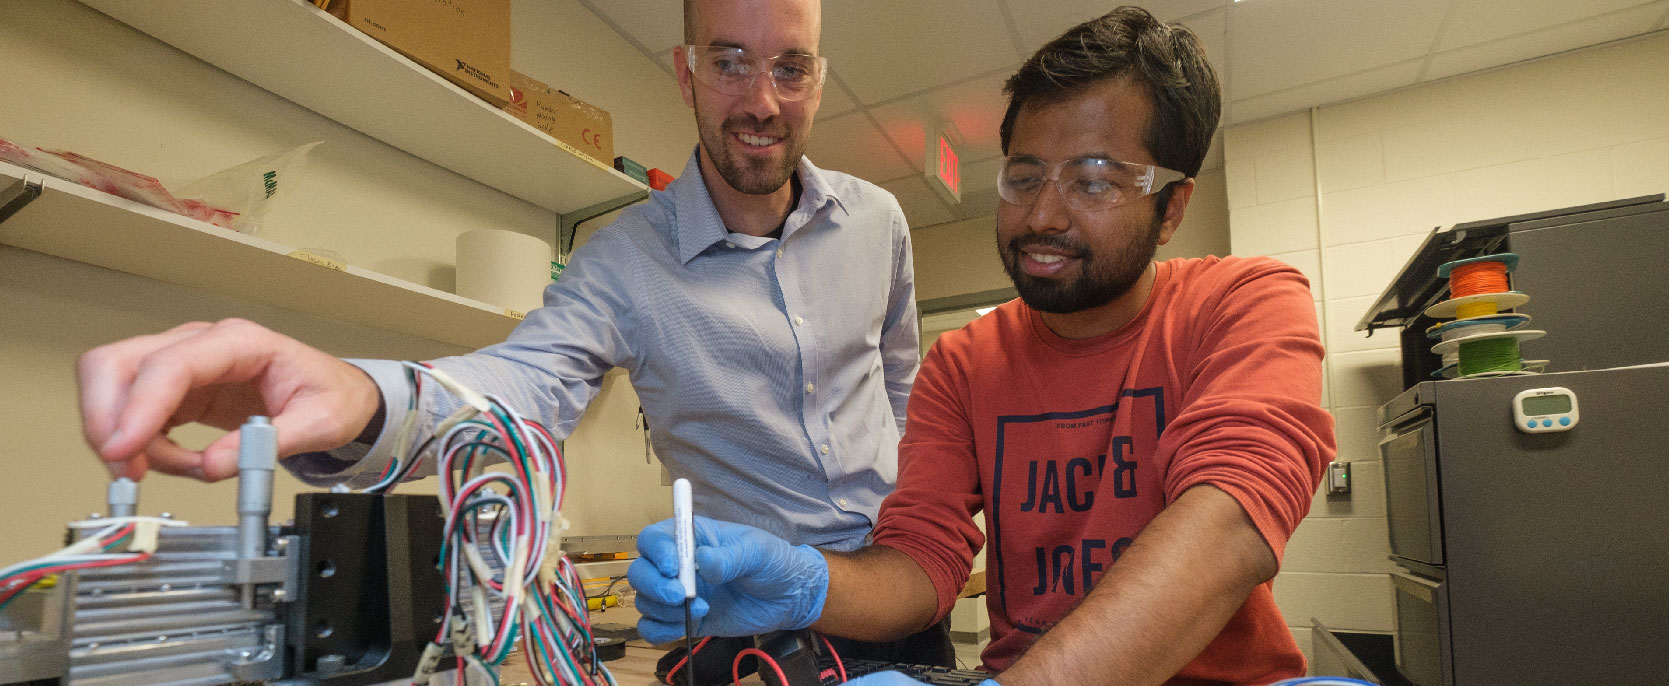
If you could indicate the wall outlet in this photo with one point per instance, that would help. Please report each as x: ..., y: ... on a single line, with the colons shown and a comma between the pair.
x: 1338, y: 478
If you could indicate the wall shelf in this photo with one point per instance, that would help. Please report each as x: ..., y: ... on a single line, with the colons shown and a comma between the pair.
x: 304, y: 55
x: 76, y: 223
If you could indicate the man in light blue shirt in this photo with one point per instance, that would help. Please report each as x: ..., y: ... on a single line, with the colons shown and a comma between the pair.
x: 774, y: 369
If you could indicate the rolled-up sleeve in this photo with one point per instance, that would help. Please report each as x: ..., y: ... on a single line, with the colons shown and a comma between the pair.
x: 1251, y: 423
x: 930, y: 516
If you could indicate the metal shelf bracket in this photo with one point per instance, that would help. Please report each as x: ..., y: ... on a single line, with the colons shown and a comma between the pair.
x: 15, y: 196
x: 568, y: 222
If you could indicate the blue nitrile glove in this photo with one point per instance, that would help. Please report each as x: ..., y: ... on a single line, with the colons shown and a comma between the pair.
x: 898, y: 679
x: 747, y: 582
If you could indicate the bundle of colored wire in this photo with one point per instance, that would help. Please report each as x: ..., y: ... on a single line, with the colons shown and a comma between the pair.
x: 1454, y: 331
x: 497, y: 540
x: 135, y: 536
x: 1478, y: 278
x: 399, y: 469
x: 1482, y: 308
x: 1490, y: 355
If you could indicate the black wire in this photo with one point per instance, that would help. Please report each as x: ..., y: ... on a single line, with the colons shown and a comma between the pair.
x: 612, y: 581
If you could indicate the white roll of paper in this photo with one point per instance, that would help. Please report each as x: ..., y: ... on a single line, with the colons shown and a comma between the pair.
x: 503, y: 268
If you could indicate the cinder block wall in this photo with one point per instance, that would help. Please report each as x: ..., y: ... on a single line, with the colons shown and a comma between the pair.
x: 1576, y: 128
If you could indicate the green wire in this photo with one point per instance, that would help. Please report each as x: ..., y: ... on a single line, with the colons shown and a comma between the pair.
x: 53, y: 563
x: 468, y: 507
x: 544, y: 656
x: 504, y: 653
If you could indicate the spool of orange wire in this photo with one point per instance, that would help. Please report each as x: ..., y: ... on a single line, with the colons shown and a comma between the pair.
x: 1477, y: 278
x: 1478, y: 287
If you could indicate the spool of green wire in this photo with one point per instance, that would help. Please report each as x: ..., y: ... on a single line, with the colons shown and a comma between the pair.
x: 1490, y: 355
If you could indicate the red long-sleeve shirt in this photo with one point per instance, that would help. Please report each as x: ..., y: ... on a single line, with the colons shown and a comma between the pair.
x: 1070, y: 447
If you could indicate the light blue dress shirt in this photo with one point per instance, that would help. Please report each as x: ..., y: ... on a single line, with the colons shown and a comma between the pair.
x: 774, y: 371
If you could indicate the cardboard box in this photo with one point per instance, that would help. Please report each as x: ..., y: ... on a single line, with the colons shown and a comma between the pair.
x: 659, y: 179
x: 632, y: 168
x: 466, y: 41
x: 581, y: 125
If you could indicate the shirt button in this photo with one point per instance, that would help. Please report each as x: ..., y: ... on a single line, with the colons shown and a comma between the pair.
x: 799, y: 320
x: 823, y: 448
x: 811, y: 387
x: 779, y: 253
x: 729, y: 245
x: 842, y: 502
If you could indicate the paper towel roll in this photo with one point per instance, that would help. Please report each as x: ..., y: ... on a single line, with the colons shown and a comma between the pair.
x: 503, y: 268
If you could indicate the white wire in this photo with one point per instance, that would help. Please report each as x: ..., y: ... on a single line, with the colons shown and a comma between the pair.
x: 74, y: 553
x: 531, y: 514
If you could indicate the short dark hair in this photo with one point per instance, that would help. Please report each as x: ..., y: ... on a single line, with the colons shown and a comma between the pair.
x: 1165, y: 60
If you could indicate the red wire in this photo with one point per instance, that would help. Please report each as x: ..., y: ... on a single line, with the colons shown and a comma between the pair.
x: 698, y: 646
x: 527, y: 654
x: 561, y: 466
x: 28, y: 581
x: 117, y: 535
x: 36, y: 575
x: 838, y: 663
x: 764, y: 659
x: 526, y: 499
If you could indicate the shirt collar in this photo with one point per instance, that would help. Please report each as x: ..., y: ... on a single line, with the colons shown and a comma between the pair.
x: 697, y: 219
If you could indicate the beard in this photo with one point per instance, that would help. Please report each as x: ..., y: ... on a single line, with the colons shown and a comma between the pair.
x: 1101, y: 278
x: 745, y: 173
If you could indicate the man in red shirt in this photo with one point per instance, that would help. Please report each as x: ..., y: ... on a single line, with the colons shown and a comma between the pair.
x: 1142, y: 438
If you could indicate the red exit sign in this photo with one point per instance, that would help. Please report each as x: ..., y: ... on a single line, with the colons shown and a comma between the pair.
x: 944, y: 168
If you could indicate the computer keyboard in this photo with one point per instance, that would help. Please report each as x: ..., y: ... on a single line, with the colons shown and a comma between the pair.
x: 937, y: 676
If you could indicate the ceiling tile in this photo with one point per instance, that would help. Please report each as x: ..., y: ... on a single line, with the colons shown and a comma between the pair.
x: 922, y: 206
x: 974, y: 109
x: 1212, y: 30
x: 1041, y: 22
x: 852, y: 144
x: 1477, y: 21
x: 1279, y: 45
x: 1546, y: 42
x: 979, y: 188
x: 1330, y: 91
x: 885, y: 49
x: 655, y: 24
x: 836, y: 100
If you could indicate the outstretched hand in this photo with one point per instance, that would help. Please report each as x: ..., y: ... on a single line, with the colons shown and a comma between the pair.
x: 133, y: 391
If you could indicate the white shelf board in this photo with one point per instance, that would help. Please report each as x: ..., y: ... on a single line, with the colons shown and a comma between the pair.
x: 303, y: 54
x: 81, y: 224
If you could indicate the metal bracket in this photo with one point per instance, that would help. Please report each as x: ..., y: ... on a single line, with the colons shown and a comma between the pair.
x: 15, y: 196
x: 263, y: 666
x: 567, y: 223
x: 261, y: 570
